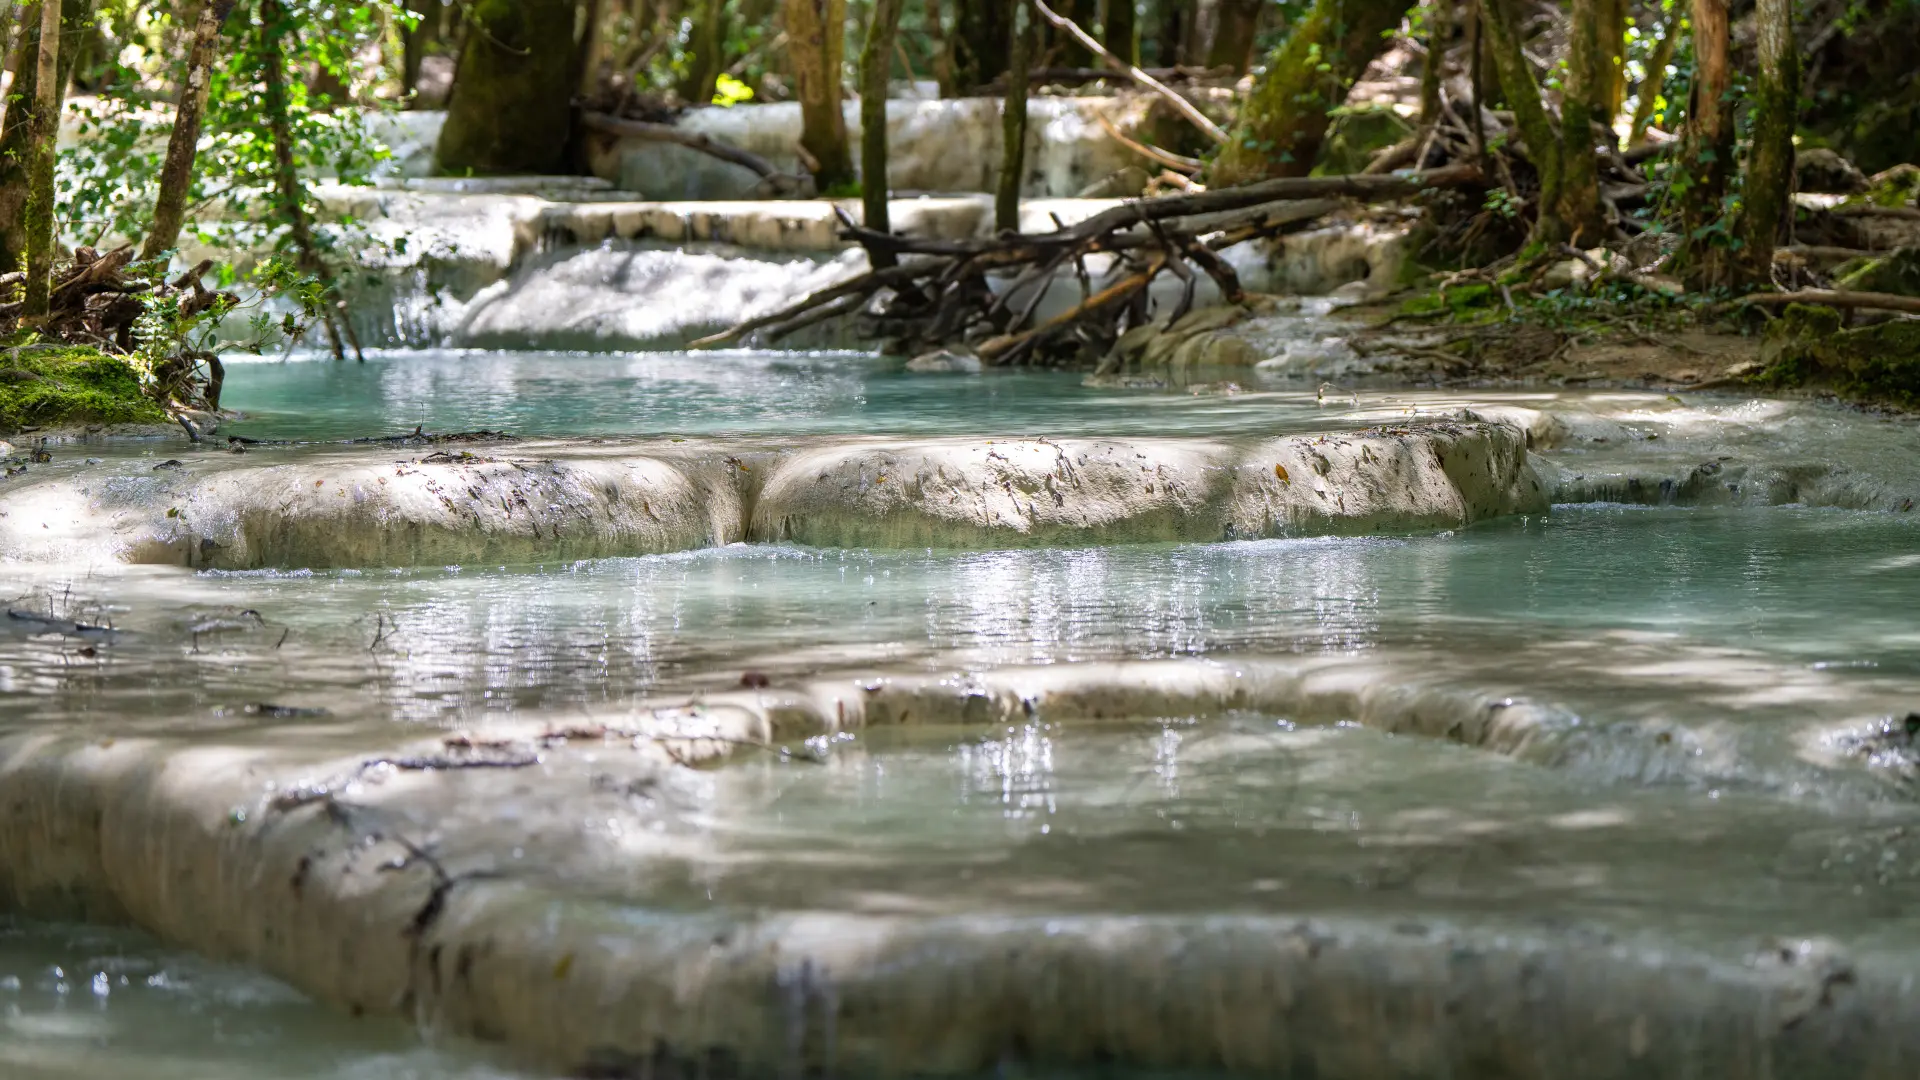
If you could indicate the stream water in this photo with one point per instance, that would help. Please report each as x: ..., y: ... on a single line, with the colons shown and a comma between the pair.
x: 1726, y: 668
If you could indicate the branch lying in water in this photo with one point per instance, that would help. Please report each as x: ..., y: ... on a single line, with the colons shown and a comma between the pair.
x: 941, y: 293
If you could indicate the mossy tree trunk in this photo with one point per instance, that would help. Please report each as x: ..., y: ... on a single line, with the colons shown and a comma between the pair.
x: 1013, y: 118
x: 1235, y: 23
x: 511, y: 110
x: 1769, y: 179
x: 290, y: 195
x: 980, y: 40
x: 1648, y: 93
x: 1284, y: 119
x: 706, y: 47
x: 46, y: 134
x: 16, y: 141
x: 1579, y: 210
x: 816, y: 48
x: 1703, y: 259
x: 1610, y: 73
x: 183, y: 143
x: 876, y: 65
x: 1438, y: 30
x: 1120, y: 32
x: 1500, y: 20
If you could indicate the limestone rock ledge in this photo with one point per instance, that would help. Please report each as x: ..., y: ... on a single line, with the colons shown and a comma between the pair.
x: 376, y: 882
x: 523, y: 502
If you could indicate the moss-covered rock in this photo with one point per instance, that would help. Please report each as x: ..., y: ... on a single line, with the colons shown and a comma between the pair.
x: 1898, y: 271
x: 1897, y: 186
x: 44, y: 386
x: 1810, y: 346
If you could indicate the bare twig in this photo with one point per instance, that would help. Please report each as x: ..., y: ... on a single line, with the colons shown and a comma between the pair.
x: 1087, y: 41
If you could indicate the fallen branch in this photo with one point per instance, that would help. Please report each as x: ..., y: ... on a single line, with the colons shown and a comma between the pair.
x: 1181, y: 105
x: 1905, y: 213
x: 947, y: 291
x: 1824, y: 252
x: 1835, y: 298
x: 1168, y: 158
x: 693, y: 140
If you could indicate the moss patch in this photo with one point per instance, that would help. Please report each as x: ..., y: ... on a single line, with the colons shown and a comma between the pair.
x: 1808, y: 347
x: 1465, y: 302
x: 43, y: 387
x: 1898, y: 271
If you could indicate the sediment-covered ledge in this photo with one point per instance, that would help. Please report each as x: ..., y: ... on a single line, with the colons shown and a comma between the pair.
x: 504, y: 882
x: 510, y: 501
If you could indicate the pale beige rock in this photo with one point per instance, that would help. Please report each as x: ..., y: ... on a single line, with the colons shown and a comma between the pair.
x: 515, y: 502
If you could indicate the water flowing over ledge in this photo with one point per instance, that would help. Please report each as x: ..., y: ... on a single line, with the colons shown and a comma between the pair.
x: 591, y: 890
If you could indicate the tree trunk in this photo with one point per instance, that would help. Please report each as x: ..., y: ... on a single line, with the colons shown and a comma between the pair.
x: 706, y: 47
x: 980, y: 39
x: 1235, y: 24
x: 876, y: 64
x: 1285, y: 117
x: 1168, y: 41
x: 1769, y: 181
x: 46, y: 134
x: 17, y: 140
x: 1649, y: 90
x: 1438, y: 30
x: 1067, y: 52
x: 413, y: 45
x: 183, y: 144
x: 815, y: 44
x: 1119, y: 32
x: 592, y: 48
x: 1702, y: 258
x: 511, y: 110
x: 288, y: 193
x: 1579, y: 176
x: 1610, y: 73
x: 1013, y: 119
x: 1477, y: 80
x: 1542, y: 143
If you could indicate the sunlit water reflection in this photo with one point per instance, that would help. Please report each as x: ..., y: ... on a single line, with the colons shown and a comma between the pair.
x: 84, y: 1002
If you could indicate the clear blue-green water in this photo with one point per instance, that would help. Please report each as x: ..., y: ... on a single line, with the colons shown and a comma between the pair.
x: 1578, y: 607
x: 726, y: 392
x: 1748, y: 630
x: 88, y: 1002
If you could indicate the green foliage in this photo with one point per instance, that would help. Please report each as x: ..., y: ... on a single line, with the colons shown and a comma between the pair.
x: 108, y: 179
x: 171, y: 326
x: 45, y: 385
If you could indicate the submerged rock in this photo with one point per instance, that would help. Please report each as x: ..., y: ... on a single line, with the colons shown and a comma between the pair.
x: 945, y: 361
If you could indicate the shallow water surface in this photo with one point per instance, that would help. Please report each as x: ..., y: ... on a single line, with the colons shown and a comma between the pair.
x: 87, y: 1002
x: 1717, y: 618
x: 737, y: 393
x: 1724, y: 687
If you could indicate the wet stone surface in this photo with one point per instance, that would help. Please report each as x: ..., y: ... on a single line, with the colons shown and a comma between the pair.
x: 1659, y: 742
